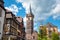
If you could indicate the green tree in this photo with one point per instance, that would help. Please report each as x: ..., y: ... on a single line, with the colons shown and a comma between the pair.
x: 55, y: 36
x: 39, y: 37
x: 42, y: 34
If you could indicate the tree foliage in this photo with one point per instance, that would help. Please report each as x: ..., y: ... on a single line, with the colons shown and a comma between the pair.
x: 55, y: 36
x: 42, y: 34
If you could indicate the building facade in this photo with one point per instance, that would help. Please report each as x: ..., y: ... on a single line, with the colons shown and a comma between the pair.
x: 35, y: 35
x: 2, y: 17
x: 10, y: 29
x: 48, y: 29
x: 22, y: 28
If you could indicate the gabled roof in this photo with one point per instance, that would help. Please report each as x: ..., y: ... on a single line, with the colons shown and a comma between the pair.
x: 50, y: 25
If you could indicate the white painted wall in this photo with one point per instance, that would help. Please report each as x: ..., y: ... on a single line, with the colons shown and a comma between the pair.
x: 2, y: 22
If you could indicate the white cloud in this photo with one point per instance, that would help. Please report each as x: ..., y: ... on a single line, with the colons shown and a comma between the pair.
x: 58, y: 30
x: 39, y: 8
x: 56, y: 9
x: 42, y: 9
x: 13, y: 8
x: 58, y: 1
x: 36, y: 26
x: 24, y: 19
x: 42, y: 6
x: 54, y: 17
x: 20, y: 8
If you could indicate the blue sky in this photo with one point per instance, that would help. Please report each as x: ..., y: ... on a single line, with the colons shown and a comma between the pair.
x: 44, y: 10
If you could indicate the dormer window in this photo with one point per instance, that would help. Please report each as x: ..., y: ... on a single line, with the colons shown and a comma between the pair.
x: 0, y: 12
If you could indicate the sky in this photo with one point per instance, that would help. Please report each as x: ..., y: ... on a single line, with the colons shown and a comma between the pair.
x: 44, y: 11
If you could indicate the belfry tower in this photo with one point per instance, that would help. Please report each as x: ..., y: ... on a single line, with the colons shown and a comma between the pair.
x: 29, y: 24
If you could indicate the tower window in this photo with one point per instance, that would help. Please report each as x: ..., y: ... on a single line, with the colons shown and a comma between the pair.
x: 33, y: 37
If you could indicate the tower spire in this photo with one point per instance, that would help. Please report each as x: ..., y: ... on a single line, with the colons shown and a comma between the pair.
x: 30, y: 9
x: 30, y: 14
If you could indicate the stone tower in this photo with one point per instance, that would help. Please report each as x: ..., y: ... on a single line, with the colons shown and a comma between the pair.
x: 29, y: 25
x: 2, y: 16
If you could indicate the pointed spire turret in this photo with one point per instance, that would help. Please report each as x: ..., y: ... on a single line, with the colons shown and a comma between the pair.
x: 31, y: 11
x: 30, y: 14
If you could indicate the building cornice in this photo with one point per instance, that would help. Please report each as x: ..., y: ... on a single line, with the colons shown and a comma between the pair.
x: 2, y: 7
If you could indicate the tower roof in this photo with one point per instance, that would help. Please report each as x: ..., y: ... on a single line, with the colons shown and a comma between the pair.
x: 30, y: 14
